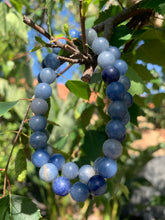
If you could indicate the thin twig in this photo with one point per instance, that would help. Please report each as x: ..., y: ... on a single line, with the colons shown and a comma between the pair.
x: 14, y: 144
x: 64, y: 70
x: 67, y: 59
x: 82, y: 21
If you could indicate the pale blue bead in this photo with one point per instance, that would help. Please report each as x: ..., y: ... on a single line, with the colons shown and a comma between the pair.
x: 121, y: 65
x: 99, y: 45
x: 107, y: 168
x: 115, y: 51
x: 70, y: 170
x: 91, y: 35
x: 105, y: 59
x: 112, y: 149
x: 48, y: 172
x: 85, y: 173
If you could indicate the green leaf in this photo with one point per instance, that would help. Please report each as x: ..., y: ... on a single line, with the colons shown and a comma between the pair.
x: 39, y: 39
x: 15, y: 25
x: 86, y: 115
x: 158, y: 201
x: 50, y: 5
x: 36, y: 48
x: 85, y: 5
x: 92, y: 146
x: 152, y: 51
x: 137, y: 85
x: 157, y: 99
x: 61, y: 142
x: 111, y: 11
x: 6, y: 106
x: 121, y: 35
x: 122, y: 188
x: 143, y: 72
x: 20, y: 165
x: 79, y: 88
x: 89, y: 22
x: 18, y: 208
x: 156, y: 5
x: 3, y: 11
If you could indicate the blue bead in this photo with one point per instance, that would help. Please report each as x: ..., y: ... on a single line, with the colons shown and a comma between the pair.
x: 128, y: 99
x: 79, y: 192
x: 38, y: 140
x: 51, y: 61
x: 91, y: 35
x: 126, y: 118
x: 97, y: 185
x: 105, y: 59
x: 70, y: 170
x: 74, y: 33
x: 39, y: 106
x: 107, y: 168
x: 99, y: 45
x: 96, y: 163
x: 115, y: 51
x: 125, y: 81
x: 110, y: 74
x: 48, y: 172
x: 58, y: 160
x: 117, y: 109
x: 61, y: 186
x: 48, y: 75
x: 37, y: 123
x: 85, y: 173
x: 115, y: 129
x: 43, y: 91
x: 121, y: 65
x: 115, y: 91
x: 40, y: 157
x: 112, y: 149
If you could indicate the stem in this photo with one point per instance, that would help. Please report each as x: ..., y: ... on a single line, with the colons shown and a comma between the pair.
x: 14, y: 144
x: 63, y: 71
x: 82, y: 21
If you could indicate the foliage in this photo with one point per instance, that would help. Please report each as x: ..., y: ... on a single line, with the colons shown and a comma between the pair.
x: 77, y: 128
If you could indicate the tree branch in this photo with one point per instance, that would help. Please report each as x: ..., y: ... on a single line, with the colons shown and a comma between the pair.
x: 108, y: 25
x: 14, y: 144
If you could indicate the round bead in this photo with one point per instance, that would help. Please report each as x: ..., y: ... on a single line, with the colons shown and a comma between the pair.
x: 91, y: 35
x: 121, y: 65
x: 61, y: 186
x: 51, y: 61
x: 37, y: 123
x: 128, y: 100
x: 97, y: 161
x: 97, y: 185
x: 74, y: 33
x: 79, y: 192
x: 115, y: 51
x: 39, y: 106
x: 125, y: 81
x: 105, y: 59
x: 40, y: 157
x: 99, y: 45
x: 85, y: 173
x: 117, y: 109
x: 110, y: 74
x: 38, y: 140
x: 70, y: 170
x: 115, y: 91
x: 115, y: 129
x: 58, y: 160
x: 47, y: 75
x: 43, y: 91
x: 107, y: 168
x: 112, y: 149
x: 48, y: 172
